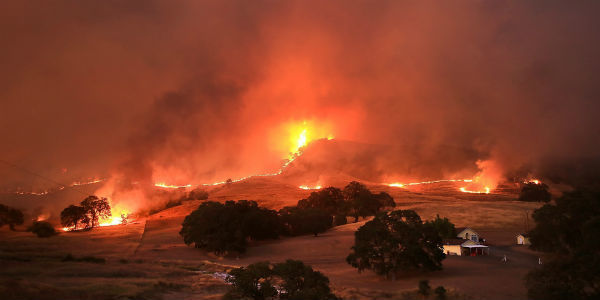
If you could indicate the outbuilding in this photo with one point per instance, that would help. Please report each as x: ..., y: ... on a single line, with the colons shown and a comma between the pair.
x: 523, y: 239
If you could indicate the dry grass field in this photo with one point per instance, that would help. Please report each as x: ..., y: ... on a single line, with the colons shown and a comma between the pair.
x: 147, y: 259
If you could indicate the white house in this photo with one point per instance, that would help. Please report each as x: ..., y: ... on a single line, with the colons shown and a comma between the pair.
x: 468, y: 234
x: 523, y: 239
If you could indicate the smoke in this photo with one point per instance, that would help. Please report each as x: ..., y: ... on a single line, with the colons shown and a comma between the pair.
x: 199, y: 91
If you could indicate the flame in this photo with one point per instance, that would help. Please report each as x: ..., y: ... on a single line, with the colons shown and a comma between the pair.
x: 168, y: 186
x: 485, y: 191
x: 119, y: 216
x: 534, y: 181
x: 299, y: 135
x: 305, y: 187
x: 60, y: 188
x: 402, y: 185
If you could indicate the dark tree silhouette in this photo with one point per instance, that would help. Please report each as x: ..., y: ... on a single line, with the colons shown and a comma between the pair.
x: 444, y: 228
x: 568, y: 232
x: 223, y: 228
x: 10, y: 216
x: 96, y: 209
x: 73, y: 215
x: 535, y: 192
x: 394, y: 242
x: 299, y: 221
x: 42, y: 229
x: 291, y: 279
x: 385, y: 200
x: 360, y: 200
x: 330, y: 200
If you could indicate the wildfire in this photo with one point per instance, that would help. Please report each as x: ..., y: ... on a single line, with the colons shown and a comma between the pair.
x: 305, y: 187
x: 534, y: 181
x: 300, y: 135
x: 167, y: 186
x: 485, y: 191
x: 401, y: 185
x: 60, y: 188
x: 118, y: 217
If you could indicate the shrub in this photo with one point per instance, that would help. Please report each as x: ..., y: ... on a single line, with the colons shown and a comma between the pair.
x: 424, y: 288
x: 440, y: 293
x: 42, y: 229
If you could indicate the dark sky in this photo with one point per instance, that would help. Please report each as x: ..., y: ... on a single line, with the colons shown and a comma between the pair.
x: 196, y: 90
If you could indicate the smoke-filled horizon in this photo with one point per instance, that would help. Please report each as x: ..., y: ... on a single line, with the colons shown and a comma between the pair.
x: 201, y: 91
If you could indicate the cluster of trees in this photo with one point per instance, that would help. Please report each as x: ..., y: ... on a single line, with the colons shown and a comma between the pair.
x: 10, y: 216
x: 355, y: 200
x: 568, y: 233
x: 291, y: 280
x: 400, y: 241
x: 535, y: 192
x: 87, y: 215
x: 223, y: 228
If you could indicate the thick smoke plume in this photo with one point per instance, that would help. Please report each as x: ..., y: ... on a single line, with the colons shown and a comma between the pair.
x: 201, y: 91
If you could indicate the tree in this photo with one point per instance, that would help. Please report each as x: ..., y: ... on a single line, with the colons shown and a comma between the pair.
x: 10, y: 216
x: 443, y: 227
x: 72, y: 216
x: 424, y: 288
x: 330, y: 200
x: 96, y: 209
x: 223, y: 228
x: 568, y: 232
x: 291, y: 279
x: 300, y: 221
x: 385, y: 200
x: 254, y: 282
x: 535, y: 192
x: 394, y: 242
x: 42, y: 229
x: 360, y: 200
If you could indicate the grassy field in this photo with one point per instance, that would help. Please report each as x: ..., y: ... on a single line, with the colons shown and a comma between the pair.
x: 148, y: 260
